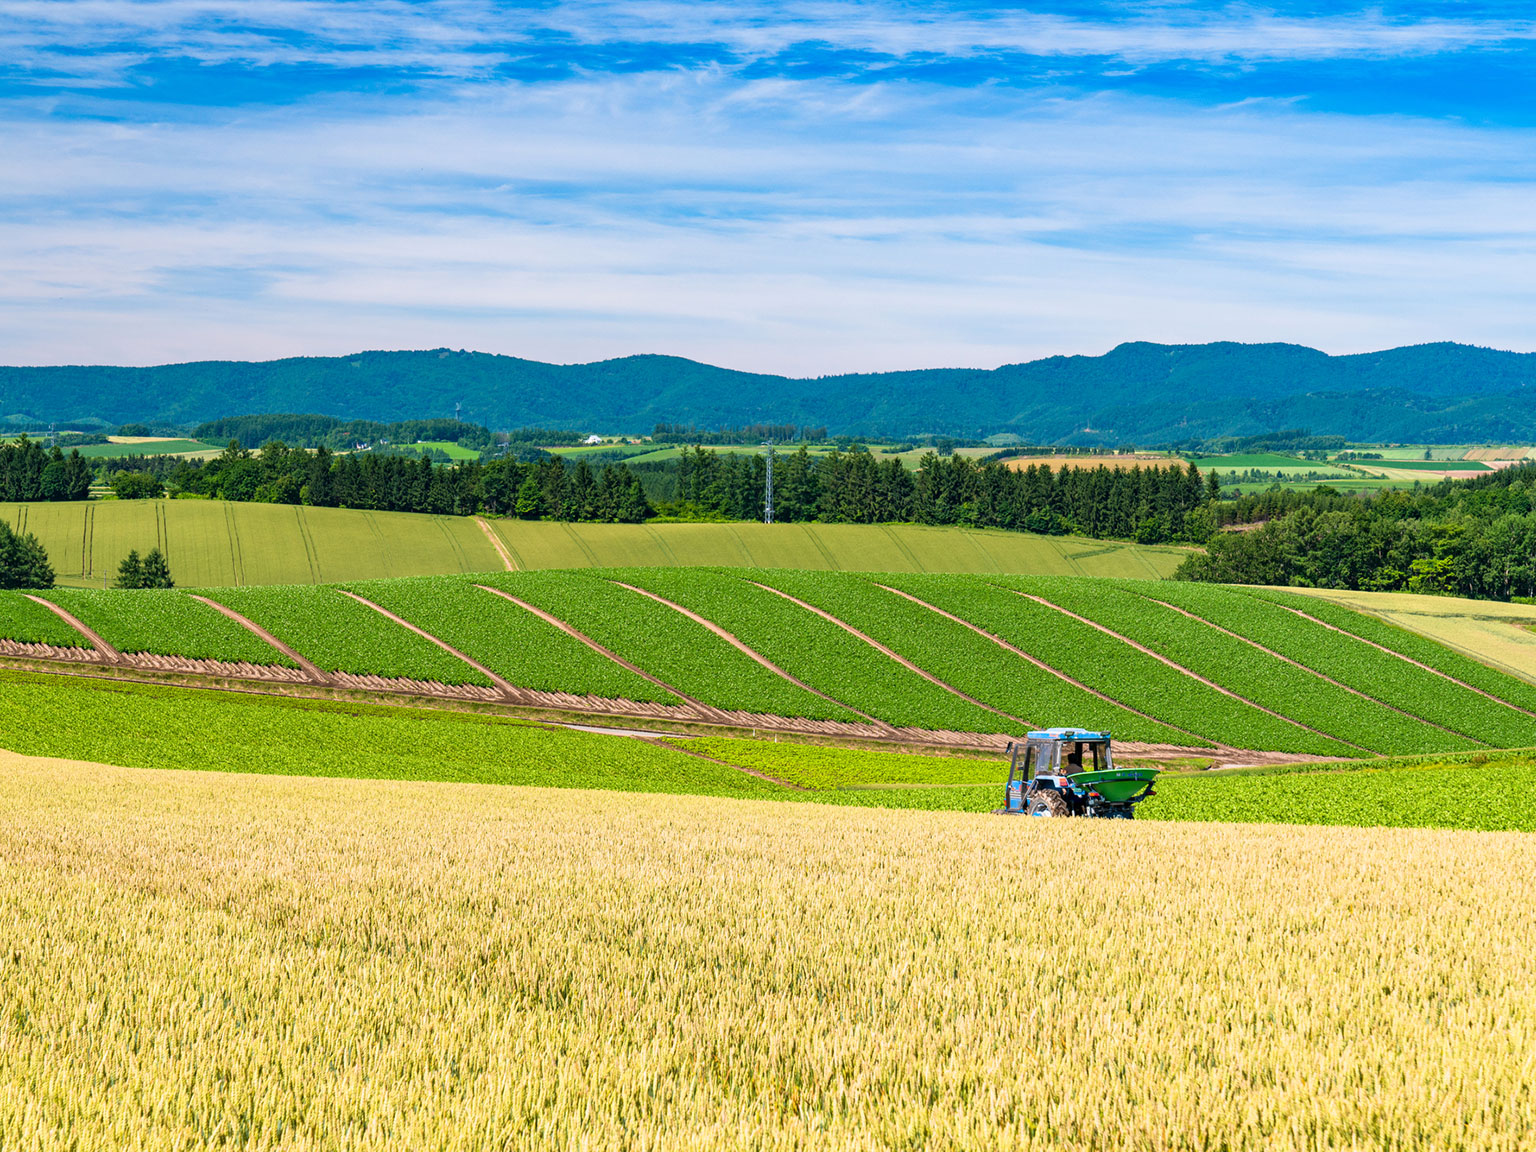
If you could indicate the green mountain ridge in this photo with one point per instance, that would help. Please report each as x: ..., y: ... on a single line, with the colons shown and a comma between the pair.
x: 1141, y: 392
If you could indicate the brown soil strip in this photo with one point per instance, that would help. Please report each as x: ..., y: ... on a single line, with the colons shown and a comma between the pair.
x: 104, y: 650
x: 724, y: 763
x: 48, y: 651
x: 1042, y: 665
x: 1304, y: 668
x: 755, y: 655
x: 896, y: 656
x: 236, y: 669
x: 1409, y: 659
x: 506, y: 688
x: 309, y: 666
x: 1185, y: 671
x: 594, y: 645
x: 496, y: 543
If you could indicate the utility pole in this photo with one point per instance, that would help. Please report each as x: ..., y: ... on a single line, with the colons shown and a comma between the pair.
x: 768, y: 487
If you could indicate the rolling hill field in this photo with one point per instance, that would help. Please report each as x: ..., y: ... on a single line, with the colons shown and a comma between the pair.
x: 906, y: 658
x: 212, y: 543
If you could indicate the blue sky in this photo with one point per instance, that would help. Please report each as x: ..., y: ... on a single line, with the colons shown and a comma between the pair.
x: 799, y: 187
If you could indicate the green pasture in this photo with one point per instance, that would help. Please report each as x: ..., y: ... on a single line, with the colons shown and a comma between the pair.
x: 211, y: 543
x: 145, y: 726
x: 450, y: 449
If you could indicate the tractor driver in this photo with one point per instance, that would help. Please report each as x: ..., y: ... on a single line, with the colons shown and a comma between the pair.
x: 1074, y: 760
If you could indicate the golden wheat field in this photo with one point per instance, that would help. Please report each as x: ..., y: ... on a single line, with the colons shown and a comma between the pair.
x: 204, y: 959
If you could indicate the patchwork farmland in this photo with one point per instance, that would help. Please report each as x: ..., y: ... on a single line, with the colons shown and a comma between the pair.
x: 959, y: 661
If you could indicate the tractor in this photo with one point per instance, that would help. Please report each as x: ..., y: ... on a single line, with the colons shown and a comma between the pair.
x: 1071, y: 772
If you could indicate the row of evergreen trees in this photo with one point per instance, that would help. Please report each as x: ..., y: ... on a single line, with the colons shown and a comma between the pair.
x: 28, y: 471
x: 1147, y: 504
x: 542, y: 489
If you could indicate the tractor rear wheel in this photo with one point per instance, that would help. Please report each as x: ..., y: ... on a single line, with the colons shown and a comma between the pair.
x: 1048, y: 804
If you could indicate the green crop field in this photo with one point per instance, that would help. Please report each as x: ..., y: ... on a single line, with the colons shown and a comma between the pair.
x: 146, y: 726
x: 167, y: 623
x: 1190, y: 666
x: 816, y: 650
x: 340, y: 635
x: 965, y: 660
x: 28, y: 622
x: 150, y: 448
x: 211, y: 543
x: 1251, y: 673
x: 1351, y: 661
x: 677, y: 650
x: 510, y: 641
x: 1116, y: 669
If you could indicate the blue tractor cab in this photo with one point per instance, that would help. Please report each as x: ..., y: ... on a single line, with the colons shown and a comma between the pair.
x: 1071, y: 772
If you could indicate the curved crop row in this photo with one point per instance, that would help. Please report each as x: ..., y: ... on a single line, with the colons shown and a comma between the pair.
x: 166, y: 623
x: 1351, y: 661
x: 1410, y: 644
x: 510, y: 641
x: 1116, y: 668
x: 974, y: 664
x: 28, y: 622
x: 664, y: 642
x: 340, y: 635
x: 815, y: 650
x: 1251, y: 673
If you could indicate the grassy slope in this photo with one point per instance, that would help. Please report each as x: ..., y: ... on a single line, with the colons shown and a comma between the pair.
x: 213, y: 544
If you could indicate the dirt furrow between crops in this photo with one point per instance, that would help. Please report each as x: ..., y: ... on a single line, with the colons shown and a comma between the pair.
x: 1304, y: 668
x: 510, y: 690
x: 309, y: 666
x: 1409, y: 659
x: 1185, y: 671
x: 496, y: 543
x: 104, y: 650
x: 1037, y: 662
x: 753, y: 653
x: 658, y: 743
x: 698, y: 705
x: 896, y: 656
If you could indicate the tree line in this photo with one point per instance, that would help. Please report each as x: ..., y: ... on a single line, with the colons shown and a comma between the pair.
x: 1152, y: 505
x: 1474, y: 537
x: 28, y: 471
x: 549, y: 488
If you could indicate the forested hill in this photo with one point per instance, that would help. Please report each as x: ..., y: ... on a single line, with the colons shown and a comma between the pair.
x: 1145, y: 393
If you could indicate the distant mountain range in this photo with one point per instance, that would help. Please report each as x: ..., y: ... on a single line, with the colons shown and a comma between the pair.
x: 1141, y: 393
